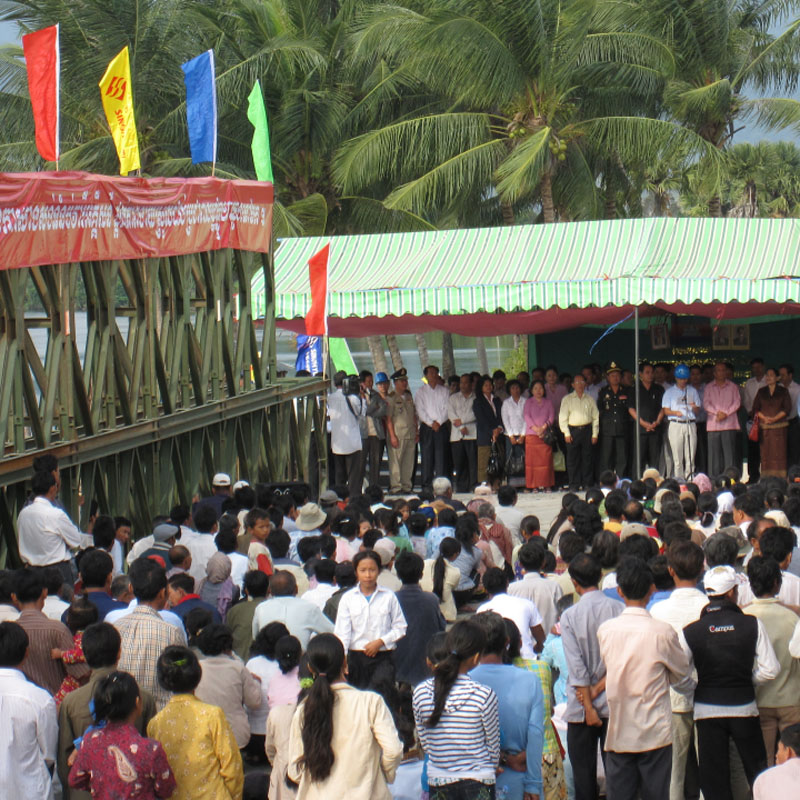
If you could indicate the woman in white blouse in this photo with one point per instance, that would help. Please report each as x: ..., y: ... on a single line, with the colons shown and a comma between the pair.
x: 514, y: 426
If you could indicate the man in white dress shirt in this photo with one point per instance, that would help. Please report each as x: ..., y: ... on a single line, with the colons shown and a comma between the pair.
x: 29, y: 733
x: 346, y: 412
x: 431, y: 403
x: 47, y: 535
x: 463, y: 435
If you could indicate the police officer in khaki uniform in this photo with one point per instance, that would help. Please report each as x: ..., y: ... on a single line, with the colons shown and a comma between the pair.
x: 402, y: 431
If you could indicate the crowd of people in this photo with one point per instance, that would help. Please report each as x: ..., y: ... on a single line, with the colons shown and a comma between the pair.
x: 546, y: 429
x: 644, y: 644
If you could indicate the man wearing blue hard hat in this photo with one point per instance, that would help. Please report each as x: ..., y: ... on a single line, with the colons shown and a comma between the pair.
x: 681, y: 403
x: 375, y: 440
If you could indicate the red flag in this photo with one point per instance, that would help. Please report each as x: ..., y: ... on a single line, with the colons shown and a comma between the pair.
x: 317, y: 317
x: 43, y: 62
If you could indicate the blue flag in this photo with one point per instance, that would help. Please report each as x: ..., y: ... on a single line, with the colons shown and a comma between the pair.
x: 201, y: 107
x: 309, y: 354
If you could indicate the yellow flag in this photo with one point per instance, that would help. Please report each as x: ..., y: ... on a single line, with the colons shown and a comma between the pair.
x: 115, y: 92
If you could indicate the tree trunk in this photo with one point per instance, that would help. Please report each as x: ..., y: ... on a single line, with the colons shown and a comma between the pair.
x: 483, y: 361
x: 714, y: 209
x: 448, y: 357
x: 394, y: 352
x: 610, y: 206
x: 546, y: 189
x: 508, y: 214
x: 422, y: 347
x: 378, y: 354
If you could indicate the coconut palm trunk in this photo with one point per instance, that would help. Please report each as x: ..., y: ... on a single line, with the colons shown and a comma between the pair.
x: 448, y: 356
x: 546, y: 190
x: 378, y: 354
x: 422, y: 348
x: 483, y: 361
x: 394, y: 352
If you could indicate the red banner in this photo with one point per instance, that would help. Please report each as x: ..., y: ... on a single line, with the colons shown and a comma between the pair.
x: 62, y: 217
x: 42, y: 62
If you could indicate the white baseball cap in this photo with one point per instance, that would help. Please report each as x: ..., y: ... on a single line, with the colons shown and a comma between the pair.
x: 221, y: 479
x: 720, y: 580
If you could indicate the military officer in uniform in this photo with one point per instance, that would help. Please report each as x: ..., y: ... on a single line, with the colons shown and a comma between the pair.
x: 613, y: 403
x: 402, y: 431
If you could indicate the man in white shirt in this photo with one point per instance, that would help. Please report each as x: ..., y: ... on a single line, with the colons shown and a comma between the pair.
x: 777, y: 543
x: 54, y: 606
x: 431, y: 402
x: 680, y: 609
x: 303, y: 619
x: 544, y: 594
x: 346, y: 412
x: 46, y: 534
x: 325, y: 573
x: 463, y: 434
x: 521, y: 611
x: 29, y: 733
x: 681, y: 404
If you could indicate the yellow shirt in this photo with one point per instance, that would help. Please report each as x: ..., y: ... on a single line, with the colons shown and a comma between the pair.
x: 200, y: 748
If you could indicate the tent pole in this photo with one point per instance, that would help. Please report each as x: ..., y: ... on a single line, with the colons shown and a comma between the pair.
x: 637, y: 440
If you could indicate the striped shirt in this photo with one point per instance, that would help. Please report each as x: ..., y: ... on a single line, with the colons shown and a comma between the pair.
x: 144, y: 635
x: 465, y: 744
x: 44, y: 634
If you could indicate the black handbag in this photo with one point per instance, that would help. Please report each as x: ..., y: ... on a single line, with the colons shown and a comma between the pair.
x: 549, y: 435
x: 494, y: 468
x: 515, y: 464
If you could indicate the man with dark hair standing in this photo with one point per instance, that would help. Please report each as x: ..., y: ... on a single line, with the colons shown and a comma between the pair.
x: 643, y: 658
x: 579, y: 421
x: 731, y: 651
x: 46, y: 534
x: 346, y: 412
x: 613, y: 403
x: 143, y: 632
x: 401, y: 427
x: 721, y: 401
x: 681, y: 608
x: 648, y: 417
x: 43, y: 634
x: 782, y: 780
x: 587, y: 706
x: 29, y: 731
x: 96, y: 571
x: 431, y: 402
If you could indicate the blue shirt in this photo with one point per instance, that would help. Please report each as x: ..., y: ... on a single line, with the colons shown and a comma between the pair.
x: 433, y: 538
x: 192, y: 601
x: 678, y: 399
x: 104, y: 603
x: 521, y: 710
x: 553, y: 654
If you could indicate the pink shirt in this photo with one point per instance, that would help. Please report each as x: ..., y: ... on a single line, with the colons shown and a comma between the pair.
x: 283, y: 689
x: 722, y: 398
x: 556, y: 395
x: 781, y: 781
x: 538, y: 413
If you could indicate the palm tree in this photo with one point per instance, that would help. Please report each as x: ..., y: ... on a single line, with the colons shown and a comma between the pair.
x: 514, y: 97
x: 723, y: 49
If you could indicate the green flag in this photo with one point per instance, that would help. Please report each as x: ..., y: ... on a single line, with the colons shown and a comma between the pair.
x: 340, y: 356
x: 257, y: 114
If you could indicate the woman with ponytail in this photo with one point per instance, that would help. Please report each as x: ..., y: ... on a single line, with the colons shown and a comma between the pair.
x: 112, y: 754
x: 457, y: 721
x: 343, y: 743
x: 441, y: 577
x: 708, y: 507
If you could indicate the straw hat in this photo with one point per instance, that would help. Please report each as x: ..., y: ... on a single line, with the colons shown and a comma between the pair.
x: 310, y: 517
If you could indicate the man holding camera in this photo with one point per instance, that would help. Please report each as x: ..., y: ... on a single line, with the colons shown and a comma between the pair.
x: 346, y: 409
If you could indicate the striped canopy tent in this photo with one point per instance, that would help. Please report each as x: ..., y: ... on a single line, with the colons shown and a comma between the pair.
x: 542, y: 278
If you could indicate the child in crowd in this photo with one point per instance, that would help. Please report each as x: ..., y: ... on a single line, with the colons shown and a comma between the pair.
x: 80, y: 615
x: 528, y: 529
x: 197, y: 738
x: 113, y: 755
x: 417, y: 527
x: 285, y: 684
x: 257, y: 527
x: 553, y: 652
x: 369, y: 608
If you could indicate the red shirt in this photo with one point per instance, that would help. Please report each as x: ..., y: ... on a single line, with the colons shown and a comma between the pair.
x: 118, y: 762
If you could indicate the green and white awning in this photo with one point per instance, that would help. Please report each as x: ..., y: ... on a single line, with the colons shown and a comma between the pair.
x: 525, y: 268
